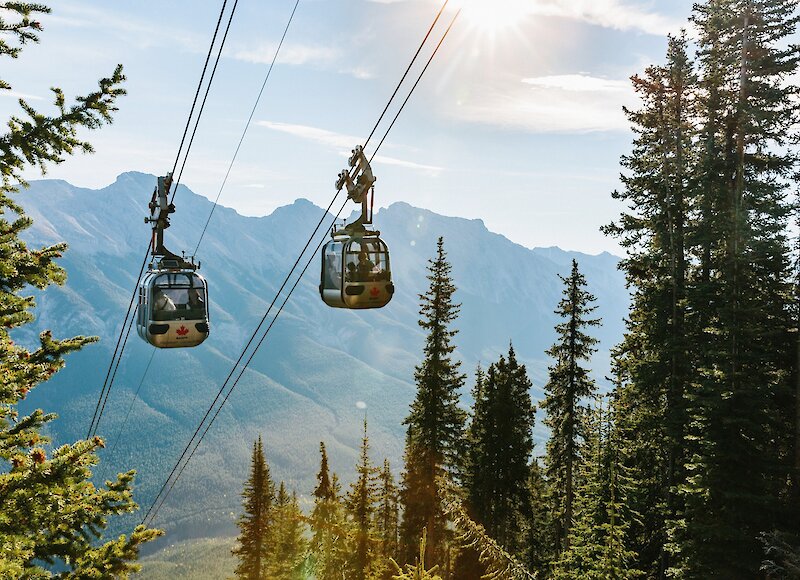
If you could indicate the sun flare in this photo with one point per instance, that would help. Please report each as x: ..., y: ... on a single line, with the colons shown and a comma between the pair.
x: 494, y: 16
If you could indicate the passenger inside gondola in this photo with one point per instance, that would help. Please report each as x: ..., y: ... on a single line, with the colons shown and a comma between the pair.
x: 365, y: 267
x: 163, y: 304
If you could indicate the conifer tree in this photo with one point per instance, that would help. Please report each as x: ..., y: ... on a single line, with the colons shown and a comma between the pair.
x: 500, y: 447
x: 597, y: 547
x: 51, y: 514
x: 329, y: 547
x: 434, y: 438
x: 539, y: 539
x: 361, y: 504
x: 739, y: 445
x: 654, y: 358
x: 467, y: 565
x: 418, y: 570
x: 497, y: 562
x: 255, y: 541
x: 568, y: 385
x: 288, y: 546
x: 386, y: 522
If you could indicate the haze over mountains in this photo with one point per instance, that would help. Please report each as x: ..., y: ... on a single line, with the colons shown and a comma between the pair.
x: 319, y: 366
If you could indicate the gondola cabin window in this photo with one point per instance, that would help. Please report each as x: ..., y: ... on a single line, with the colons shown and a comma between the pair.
x: 366, y: 261
x: 332, y: 274
x: 179, y: 296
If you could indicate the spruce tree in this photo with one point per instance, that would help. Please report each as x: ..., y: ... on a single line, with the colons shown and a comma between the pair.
x: 568, y: 386
x: 329, y: 542
x: 434, y: 438
x: 660, y: 187
x: 387, y: 517
x: 256, y: 523
x: 361, y: 505
x: 739, y: 443
x: 51, y: 514
x: 288, y: 545
x: 418, y: 570
x: 539, y: 540
x: 500, y: 436
x: 597, y: 547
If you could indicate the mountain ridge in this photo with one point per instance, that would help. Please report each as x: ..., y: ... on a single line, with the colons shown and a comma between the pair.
x: 318, y: 364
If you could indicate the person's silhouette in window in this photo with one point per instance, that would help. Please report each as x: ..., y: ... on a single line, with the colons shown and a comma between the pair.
x: 365, y: 266
x: 195, y: 300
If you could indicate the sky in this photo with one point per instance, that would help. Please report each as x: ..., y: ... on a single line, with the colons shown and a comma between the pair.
x: 517, y: 121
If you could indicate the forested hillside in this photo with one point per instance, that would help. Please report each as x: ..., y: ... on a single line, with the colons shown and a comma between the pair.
x: 316, y: 365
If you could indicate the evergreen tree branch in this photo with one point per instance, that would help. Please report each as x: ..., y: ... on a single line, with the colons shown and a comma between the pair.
x: 499, y: 563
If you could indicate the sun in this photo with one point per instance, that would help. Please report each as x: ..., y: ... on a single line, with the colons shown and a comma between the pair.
x: 493, y: 16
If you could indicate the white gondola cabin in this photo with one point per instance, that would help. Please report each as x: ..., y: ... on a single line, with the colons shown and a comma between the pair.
x: 356, y: 272
x: 173, y: 308
x: 172, y: 311
x: 355, y: 263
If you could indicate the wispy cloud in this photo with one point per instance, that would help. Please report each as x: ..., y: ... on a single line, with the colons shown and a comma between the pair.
x: 143, y: 34
x: 16, y: 95
x: 608, y: 14
x: 341, y: 142
x: 321, y: 136
x: 297, y: 54
x: 408, y: 164
x: 572, y: 103
x: 616, y: 14
x: 579, y: 83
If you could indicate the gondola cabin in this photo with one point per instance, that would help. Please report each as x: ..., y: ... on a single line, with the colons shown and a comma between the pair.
x: 356, y: 273
x: 173, y: 308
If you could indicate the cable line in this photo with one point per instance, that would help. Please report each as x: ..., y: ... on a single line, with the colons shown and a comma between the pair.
x: 247, y: 125
x: 397, y: 88
x: 178, y: 468
x: 113, y: 375
x: 130, y: 407
x: 241, y: 356
x: 419, y: 78
x: 263, y: 85
x: 106, y: 386
x: 199, y: 85
x: 205, y: 97
x: 118, y: 352
x: 233, y: 386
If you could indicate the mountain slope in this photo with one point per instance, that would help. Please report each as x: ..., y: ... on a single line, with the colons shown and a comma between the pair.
x: 319, y: 365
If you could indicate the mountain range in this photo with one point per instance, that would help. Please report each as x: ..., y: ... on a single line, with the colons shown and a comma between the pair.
x: 320, y: 369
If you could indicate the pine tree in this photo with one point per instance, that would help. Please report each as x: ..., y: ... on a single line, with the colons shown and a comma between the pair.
x: 501, y: 444
x: 386, y: 522
x: 568, y: 385
x: 434, y: 439
x: 597, y: 539
x: 739, y: 444
x: 51, y: 515
x: 418, y: 570
x: 539, y: 540
x: 256, y: 524
x: 654, y: 358
x: 361, y: 505
x: 329, y: 547
x: 288, y: 546
x: 467, y: 564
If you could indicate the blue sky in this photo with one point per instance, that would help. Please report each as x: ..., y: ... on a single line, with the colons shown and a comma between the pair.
x: 518, y: 120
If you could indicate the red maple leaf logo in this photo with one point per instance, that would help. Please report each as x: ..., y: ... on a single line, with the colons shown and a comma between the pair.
x: 375, y: 291
x: 182, y: 331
